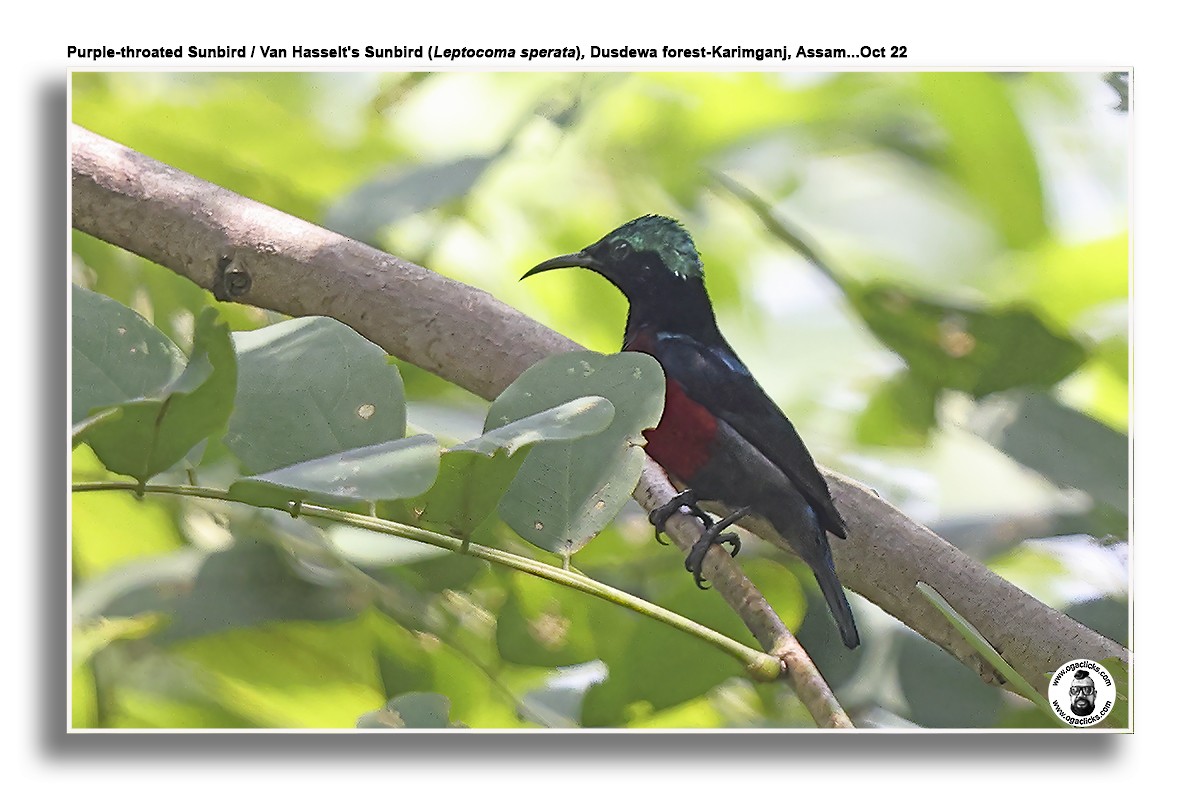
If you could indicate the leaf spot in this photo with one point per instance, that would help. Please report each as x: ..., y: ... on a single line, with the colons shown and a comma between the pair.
x: 366, y: 410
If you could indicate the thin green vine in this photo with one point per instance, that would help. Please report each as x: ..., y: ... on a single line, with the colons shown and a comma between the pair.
x: 759, y: 665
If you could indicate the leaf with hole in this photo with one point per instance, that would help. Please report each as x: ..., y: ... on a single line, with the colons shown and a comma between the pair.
x: 153, y: 433
x: 308, y: 388
x: 565, y: 492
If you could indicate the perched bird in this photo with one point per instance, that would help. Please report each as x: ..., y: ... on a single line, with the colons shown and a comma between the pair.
x: 720, y: 435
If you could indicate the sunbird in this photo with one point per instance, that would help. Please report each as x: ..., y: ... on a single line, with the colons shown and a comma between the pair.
x: 721, y: 439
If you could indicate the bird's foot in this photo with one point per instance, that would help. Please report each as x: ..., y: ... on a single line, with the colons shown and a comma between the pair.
x: 660, y: 515
x: 713, y: 535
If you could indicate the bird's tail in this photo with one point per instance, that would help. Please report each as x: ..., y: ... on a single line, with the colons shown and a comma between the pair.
x: 831, y: 587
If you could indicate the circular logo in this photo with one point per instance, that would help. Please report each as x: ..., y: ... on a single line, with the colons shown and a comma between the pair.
x: 1082, y: 692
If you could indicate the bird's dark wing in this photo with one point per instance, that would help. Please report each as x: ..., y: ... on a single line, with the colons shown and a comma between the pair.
x: 714, y: 377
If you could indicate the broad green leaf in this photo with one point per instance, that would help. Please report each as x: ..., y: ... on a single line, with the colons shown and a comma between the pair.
x: 80, y: 429
x: 390, y: 198
x: 474, y: 475
x: 248, y: 586
x: 308, y: 388
x: 152, y: 434
x: 542, y: 624
x: 565, y: 492
x: 988, y: 151
x: 1065, y: 446
x: 116, y: 355
x: 420, y: 662
x: 974, y: 350
x: 653, y: 667
x: 400, y: 468
x: 901, y: 413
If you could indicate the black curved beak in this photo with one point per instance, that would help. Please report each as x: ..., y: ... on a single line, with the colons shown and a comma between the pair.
x: 580, y: 259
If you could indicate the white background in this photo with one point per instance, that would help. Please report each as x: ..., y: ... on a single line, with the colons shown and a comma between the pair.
x: 1149, y: 36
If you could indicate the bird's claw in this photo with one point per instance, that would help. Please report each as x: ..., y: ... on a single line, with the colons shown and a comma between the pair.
x: 660, y: 515
x: 713, y: 535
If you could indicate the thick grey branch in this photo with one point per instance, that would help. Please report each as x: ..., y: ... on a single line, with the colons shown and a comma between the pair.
x: 243, y: 250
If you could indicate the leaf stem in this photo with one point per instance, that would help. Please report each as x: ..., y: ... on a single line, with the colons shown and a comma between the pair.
x: 985, y: 649
x: 759, y: 665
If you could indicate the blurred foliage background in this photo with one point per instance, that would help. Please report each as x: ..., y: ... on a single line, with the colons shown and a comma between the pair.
x: 928, y: 271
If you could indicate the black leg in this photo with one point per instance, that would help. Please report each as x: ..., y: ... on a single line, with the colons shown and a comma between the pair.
x: 713, y: 535
x: 660, y: 515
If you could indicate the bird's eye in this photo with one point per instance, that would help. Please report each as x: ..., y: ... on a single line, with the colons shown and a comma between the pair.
x: 620, y: 250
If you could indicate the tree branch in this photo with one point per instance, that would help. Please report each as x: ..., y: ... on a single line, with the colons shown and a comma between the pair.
x: 242, y: 250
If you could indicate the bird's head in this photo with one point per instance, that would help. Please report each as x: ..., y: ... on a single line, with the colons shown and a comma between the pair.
x: 642, y: 258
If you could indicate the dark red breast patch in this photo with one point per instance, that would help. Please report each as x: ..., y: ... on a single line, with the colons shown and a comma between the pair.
x: 683, y: 439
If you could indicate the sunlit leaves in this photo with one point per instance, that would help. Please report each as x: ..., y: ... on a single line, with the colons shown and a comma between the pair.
x: 988, y: 151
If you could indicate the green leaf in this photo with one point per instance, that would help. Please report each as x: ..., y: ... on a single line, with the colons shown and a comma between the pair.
x: 988, y: 151
x: 961, y: 347
x: 152, y: 434
x: 982, y: 646
x: 116, y: 355
x: 419, y: 662
x: 652, y: 667
x: 308, y: 388
x: 1064, y: 445
x: 384, y: 200
x: 940, y: 691
x: 474, y: 475
x: 247, y: 586
x: 401, y: 468
x: 80, y: 429
x: 565, y: 492
x: 290, y: 674
x: 901, y: 413
x: 542, y: 624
